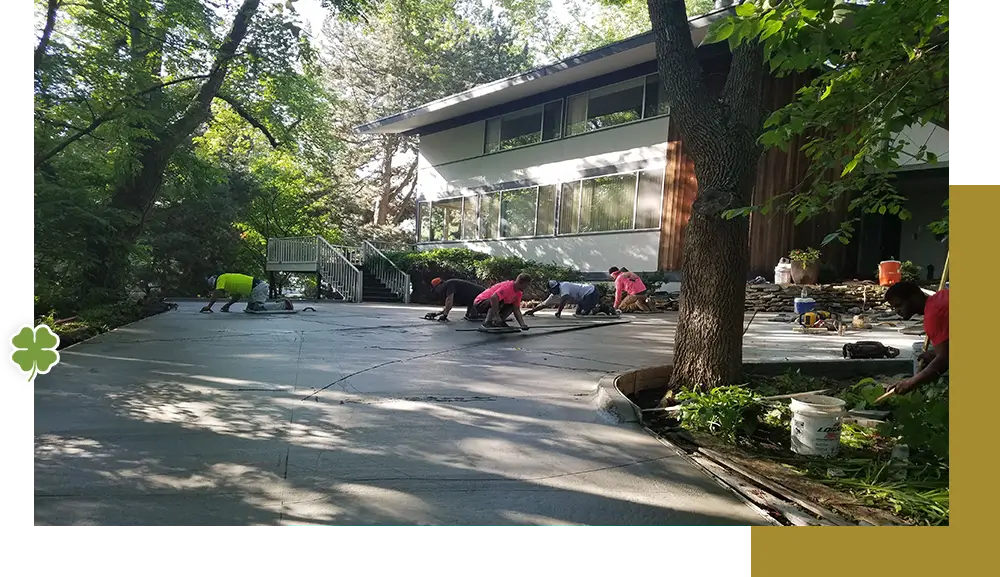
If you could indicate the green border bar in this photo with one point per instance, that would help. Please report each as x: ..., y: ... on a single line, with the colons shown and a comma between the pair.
x: 975, y: 12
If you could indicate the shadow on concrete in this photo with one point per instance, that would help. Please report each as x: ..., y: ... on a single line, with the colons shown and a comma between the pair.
x: 190, y: 428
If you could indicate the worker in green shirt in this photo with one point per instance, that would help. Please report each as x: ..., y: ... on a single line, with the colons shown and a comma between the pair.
x: 237, y: 286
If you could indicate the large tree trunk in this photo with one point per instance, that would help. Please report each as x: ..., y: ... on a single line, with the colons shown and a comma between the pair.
x: 721, y: 132
x: 134, y: 196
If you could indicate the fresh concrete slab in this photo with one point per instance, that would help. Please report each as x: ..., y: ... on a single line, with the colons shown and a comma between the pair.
x: 358, y: 414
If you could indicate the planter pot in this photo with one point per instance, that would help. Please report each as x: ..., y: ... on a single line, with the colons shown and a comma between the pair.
x: 805, y: 275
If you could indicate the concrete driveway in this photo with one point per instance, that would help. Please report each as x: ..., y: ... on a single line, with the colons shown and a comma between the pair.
x: 355, y: 414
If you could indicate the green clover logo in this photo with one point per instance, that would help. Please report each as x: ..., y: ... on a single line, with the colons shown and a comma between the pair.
x: 35, y: 350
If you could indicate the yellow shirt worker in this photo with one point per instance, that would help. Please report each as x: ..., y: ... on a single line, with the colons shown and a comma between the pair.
x: 238, y: 286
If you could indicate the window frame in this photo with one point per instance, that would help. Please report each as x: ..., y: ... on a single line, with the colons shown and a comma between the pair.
x: 541, y: 126
x: 564, y: 120
x: 577, y: 183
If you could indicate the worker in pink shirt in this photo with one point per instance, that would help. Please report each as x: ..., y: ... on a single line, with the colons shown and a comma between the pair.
x: 502, y: 299
x: 627, y: 285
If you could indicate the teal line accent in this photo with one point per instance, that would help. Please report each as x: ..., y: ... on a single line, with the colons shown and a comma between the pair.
x: 746, y: 552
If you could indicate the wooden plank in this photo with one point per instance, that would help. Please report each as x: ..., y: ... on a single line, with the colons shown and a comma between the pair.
x: 761, y: 498
x: 781, y: 490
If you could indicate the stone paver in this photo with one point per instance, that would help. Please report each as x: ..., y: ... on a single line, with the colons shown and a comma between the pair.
x: 356, y: 414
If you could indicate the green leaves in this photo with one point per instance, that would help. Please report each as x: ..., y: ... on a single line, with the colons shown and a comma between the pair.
x: 35, y: 350
x: 719, y: 31
x: 746, y: 9
x: 730, y: 412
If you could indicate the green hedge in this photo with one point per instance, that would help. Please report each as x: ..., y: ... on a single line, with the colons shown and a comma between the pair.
x: 478, y: 267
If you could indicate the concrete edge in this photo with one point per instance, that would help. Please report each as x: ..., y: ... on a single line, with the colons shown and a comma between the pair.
x: 612, y: 404
x: 615, y: 407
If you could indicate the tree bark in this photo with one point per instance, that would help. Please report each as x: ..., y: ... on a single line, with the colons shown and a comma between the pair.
x: 50, y: 23
x: 134, y: 196
x: 721, y: 135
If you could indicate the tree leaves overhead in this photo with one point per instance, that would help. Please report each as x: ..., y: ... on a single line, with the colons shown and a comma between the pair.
x: 407, y: 54
x: 876, y: 69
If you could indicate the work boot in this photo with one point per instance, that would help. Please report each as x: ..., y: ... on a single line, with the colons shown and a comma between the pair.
x: 225, y: 308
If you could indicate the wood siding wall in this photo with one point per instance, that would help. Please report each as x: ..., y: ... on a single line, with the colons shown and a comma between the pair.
x: 679, y: 190
x: 772, y: 235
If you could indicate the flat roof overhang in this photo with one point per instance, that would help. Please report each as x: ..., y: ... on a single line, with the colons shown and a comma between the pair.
x: 604, y: 60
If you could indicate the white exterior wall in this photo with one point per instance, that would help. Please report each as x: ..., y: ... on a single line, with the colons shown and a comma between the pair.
x: 451, y: 164
x: 452, y: 161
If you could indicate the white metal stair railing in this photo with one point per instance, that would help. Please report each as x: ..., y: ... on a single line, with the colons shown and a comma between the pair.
x: 379, y: 266
x: 336, y: 268
x: 294, y: 253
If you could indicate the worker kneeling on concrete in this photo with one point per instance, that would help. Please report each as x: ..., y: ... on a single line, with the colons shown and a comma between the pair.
x: 456, y: 292
x: 907, y: 299
x: 239, y: 286
x: 501, y: 300
x: 561, y: 293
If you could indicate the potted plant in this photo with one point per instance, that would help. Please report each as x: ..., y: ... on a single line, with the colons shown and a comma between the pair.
x: 805, y: 266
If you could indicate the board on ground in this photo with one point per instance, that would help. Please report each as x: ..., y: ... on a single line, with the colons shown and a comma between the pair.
x: 278, y: 311
x: 498, y: 330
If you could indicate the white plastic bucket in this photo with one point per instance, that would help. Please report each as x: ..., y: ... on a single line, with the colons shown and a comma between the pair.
x: 783, y: 274
x: 816, y: 424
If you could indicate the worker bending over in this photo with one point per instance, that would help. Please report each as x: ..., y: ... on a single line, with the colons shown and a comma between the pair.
x: 501, y: 300
x: 561, y: 293
x: 237, y: 286
x: 907, y: 299
x: 629, y: 288
x: 456, y: 291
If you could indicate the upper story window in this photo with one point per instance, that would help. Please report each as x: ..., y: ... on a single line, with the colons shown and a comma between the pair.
x: 620, y: 103
x: 529, y: 126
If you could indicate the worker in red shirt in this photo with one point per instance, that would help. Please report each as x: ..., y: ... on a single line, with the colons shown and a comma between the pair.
x: 907, y: 299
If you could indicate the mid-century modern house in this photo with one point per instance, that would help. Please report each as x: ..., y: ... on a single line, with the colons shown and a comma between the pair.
x: 578, y: 163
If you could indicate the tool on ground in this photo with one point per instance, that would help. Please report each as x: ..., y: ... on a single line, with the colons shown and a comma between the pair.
x: 869, y: 350
x: 436, y: 317
x: 820, y: 319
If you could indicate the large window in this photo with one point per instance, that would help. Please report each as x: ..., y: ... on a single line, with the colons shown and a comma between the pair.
x: 524, y: 127
x: 446, y: 219
x: 489, y: 216
x: 517, y: 212
x: 649, y: 199
x: 603, y: 107
x: 545, y: 224
x: 470, y: 218
x: 619, y: 202
x: 607, y: 203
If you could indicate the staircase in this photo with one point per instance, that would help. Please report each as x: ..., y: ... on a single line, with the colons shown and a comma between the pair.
x: 359, y: 273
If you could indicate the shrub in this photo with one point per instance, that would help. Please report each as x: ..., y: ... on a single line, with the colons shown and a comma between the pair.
x: 728, y: 412
x: 804, y: 257
x: 477, y: 267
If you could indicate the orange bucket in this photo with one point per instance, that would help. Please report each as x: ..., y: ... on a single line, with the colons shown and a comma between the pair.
x: 889, y: 272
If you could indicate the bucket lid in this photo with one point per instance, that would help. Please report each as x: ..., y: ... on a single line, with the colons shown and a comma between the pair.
x: 890, y: 262
x: 818, y: 403
x: 805, y: 300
